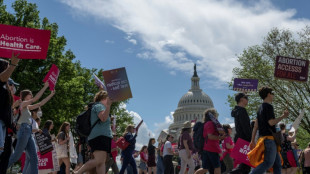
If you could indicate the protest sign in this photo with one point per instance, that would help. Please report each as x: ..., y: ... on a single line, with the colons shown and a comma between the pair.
x: 117, y: 84
x: 44, y: 161
x: 44, y: 143
x: 245, y: 85
x: 52, y: 77
x: 99, y: 83
x: 291, y: 68
x: 296, y: 123
x: 240, y: 151
x: 28, y: 42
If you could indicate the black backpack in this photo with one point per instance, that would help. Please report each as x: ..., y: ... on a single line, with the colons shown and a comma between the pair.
x: 199, y: 140
x: 83, y: 125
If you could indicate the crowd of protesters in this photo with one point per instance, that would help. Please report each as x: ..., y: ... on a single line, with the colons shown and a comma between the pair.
x: 213, y: 157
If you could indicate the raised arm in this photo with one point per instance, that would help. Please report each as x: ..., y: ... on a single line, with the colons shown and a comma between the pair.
x: 275, y: 121
x: 5, y: 75
x: 43, y: 102
x: 103, y: 115
x: 37, y: 97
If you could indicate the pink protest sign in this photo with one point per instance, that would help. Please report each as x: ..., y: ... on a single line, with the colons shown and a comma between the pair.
x: 28, y: 42
x: 44, y: 161
x: 52, y: 77
x: 240, y: 151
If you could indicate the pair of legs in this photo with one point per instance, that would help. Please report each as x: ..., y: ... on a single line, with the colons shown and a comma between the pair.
x: 110, y: 163
x: 271, y: 159
x: 152, y: 169
x: 159, y: 165
x: 229, y: 163
x: 66, y: 161
x: 186, y: 161
x: 210, y: 162
x: 25, y: 142
x: 98, y: 162
x: 128, y: 159
x: 168, y: 165
x: 5, y: 156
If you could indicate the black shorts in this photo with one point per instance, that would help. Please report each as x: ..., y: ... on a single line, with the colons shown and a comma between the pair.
x: 101, y: 143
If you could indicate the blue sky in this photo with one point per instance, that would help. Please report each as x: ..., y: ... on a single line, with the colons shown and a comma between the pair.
x: 159, y: 41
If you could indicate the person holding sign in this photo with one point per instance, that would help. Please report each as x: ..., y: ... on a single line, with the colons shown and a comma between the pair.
x: 266, y: 125
x: 6, y: 69
x: 127, y: 153
x: 25, y: 140
x: 100, y: 136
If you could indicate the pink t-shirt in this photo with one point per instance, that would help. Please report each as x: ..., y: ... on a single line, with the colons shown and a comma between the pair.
x: 211, y: 145
x: 228, y: 140
x: 114, y: 153
x: 143, y: 156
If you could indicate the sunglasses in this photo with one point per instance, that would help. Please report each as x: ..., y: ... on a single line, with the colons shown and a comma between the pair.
x: 271, y: 93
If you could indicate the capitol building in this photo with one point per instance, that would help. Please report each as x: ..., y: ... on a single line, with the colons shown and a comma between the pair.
x: 190, y: 107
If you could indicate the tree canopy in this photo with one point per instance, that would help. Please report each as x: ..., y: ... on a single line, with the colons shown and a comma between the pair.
x: 75, y: 86
x: 258, y: 62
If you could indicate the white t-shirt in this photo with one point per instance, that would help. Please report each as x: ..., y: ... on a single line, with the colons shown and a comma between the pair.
x: 167, y: 145
x: 34, y: 126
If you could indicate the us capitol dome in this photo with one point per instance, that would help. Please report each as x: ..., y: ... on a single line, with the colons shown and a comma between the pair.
x: 191, y: 106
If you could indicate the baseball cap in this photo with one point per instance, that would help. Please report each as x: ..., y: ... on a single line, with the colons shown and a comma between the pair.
x: 11, y: 82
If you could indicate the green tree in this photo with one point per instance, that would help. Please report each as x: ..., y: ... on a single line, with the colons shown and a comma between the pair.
x: 258, y: 62
x: 75, y: 86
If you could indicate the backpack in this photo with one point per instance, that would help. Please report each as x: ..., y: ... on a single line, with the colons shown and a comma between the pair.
x: 83, y: 125
x: 199, y: 140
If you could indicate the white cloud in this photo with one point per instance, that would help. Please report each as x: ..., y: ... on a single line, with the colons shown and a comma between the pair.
x: 144, y: 133
x: 163, y: 125
x: 173, y: 32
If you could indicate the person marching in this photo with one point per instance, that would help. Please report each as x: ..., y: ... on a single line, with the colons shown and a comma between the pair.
x: 63, y: 146
x: 151, y: 156
x: 100, y: 137
x: 266, y: 125
x: 24, y: 139
x: 129, y: 151
x: 186, y: 148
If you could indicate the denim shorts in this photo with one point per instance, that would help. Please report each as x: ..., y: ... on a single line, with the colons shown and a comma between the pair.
x: 210, y: 160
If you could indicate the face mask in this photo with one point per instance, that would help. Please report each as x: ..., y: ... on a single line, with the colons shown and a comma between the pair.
x: 39, y: 113
x: 14, y: 89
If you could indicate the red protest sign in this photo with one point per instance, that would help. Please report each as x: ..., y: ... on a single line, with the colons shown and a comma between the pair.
x: 44, y: 161
x: 28, y: 42
x: 240, y: 151
x: 52, y: 77
x: 291, y: 68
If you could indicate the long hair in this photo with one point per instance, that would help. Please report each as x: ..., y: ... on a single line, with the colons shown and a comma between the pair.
x: 48, y: 124
x: 128, y: 129
x: 150, y: 142
x: 206, y: 117
x: 63, y: 129
x: 142, y: 149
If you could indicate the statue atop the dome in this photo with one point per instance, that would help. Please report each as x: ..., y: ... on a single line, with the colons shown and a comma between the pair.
x: 195, y: 71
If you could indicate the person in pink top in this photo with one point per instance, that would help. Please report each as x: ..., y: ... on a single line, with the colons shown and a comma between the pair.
x: 227, y: 146
x: 143, y: 160
x: 111, y: 161
x: 211, y: 150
